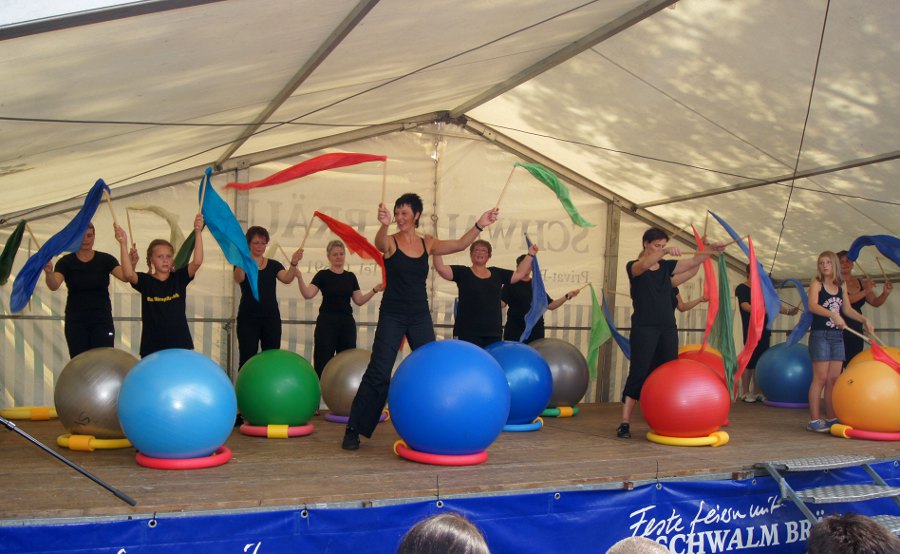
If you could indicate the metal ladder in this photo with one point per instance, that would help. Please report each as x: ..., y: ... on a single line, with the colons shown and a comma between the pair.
x: 834, y: 493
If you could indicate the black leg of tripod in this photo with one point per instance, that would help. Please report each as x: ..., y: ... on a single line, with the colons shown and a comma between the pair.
x: 119, y: 494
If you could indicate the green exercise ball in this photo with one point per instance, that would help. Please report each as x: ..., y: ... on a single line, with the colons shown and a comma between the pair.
x: 277, y: 387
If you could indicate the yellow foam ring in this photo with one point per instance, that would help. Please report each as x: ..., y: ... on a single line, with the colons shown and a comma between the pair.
x: 277, y: 431
x: 89, y: 443
x: 708, y: 440
x: 398, y: 443
x: 387, y: 414
x: 539, y: 420
x: 840, y: 430
x: 566, y: 411
x: 35, y: 413
x: 722, y: 437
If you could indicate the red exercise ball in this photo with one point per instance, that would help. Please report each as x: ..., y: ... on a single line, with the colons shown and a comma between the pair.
x: 684, y: 398
x: 707, y: 358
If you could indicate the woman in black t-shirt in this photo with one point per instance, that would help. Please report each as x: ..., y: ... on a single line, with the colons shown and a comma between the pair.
x: 518, y: 297
x: 335, y: 326
x: 89, y: 321
x: 654, y: 336
x: 479, y: 319
x: 259, y: 321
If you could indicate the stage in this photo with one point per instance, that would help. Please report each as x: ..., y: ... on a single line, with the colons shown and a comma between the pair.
x: 580, y: 452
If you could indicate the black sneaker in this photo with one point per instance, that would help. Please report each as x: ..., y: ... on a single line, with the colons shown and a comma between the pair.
x: 351, y: 440
x: 624, y: 431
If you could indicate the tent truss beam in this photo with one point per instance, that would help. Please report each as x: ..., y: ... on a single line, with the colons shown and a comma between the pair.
x: 337, y: 36
x: 590, y: 40
x: 825, y: 170
x: 240, y: 162
x: 90, y: 17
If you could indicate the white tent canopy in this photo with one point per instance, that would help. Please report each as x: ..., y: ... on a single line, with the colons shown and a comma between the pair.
x: 779, y: 116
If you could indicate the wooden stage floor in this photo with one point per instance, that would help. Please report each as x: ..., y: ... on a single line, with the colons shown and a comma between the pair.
x: 568, y: 453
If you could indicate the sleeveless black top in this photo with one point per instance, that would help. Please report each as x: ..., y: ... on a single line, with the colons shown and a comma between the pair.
x: 405, y: 292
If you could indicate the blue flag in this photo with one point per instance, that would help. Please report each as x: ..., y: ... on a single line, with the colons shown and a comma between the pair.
x: 227, y: 231
x: 770, y: 295
x: 620, y: 339
x: 886, y: 244
x: 799, y: 330
x: 538, y: 297
x: 67, y: 240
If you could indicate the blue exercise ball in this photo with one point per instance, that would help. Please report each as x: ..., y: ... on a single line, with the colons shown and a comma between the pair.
x: 177, y: 404
x: 784, y: 374
x: 449, y: 397
x: 529, y: 378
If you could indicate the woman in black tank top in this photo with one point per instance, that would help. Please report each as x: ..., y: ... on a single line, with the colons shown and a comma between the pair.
x: 404, y: 308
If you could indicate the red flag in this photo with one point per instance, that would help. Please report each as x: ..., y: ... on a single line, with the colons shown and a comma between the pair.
x: 710, y: 288
x: 880, y: 355
x: 757, y: 315
x: 356, y: 243
x: 313, y: 165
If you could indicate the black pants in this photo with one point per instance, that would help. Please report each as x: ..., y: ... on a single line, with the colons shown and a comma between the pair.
x: 481, y: 340
x: 255, y: 334
x: 373, y: 389
x: 334, y: 333
x: 651, y: 347
x: 84, y: 334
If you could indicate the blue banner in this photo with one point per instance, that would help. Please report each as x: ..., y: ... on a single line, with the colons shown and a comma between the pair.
x: 687, y: 517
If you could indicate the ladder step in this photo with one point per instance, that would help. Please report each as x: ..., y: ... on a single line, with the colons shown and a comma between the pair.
x: 819, y: 463
x: 846, y: 493
x: 892, y: 523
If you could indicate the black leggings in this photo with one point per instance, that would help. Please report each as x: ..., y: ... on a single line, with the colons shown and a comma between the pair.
x: 651, y: 347
x: 84, y: 334
x: 373, y: 390
x: 334, y: 333
x: 255, y: 334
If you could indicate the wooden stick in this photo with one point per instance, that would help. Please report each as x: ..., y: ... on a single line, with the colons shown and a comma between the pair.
x: 584, y: 286
x: 877, y: 339
x: 384, y: 182
x: 128, y: 219
x: 503, y: 192
x: 619, y: 293
x: 878, y: 261
x: 283, y: 253
x: 308, y: 227
x: 202, y: 194
x: 745, y: 237
x: 705, y: 223
x: 695, y: 252
x: 859, y: 267
x: 33, y: 239
x: 109, y: 203
x: 858, y: 334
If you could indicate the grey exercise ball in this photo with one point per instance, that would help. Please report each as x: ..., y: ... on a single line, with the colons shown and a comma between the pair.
x: 341, y: 378
x: 569, y: 370
x: 87, y: 392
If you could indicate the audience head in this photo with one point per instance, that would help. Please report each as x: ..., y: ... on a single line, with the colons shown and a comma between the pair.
x: 446, y: 533
x: 851, y: 534
x: 637, y: 545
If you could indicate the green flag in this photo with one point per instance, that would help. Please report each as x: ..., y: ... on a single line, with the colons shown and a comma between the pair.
x: 547, y: 177
x: 176, y: 237
x: 600, y: 333
x: 9, y: 252
x: 721, y: 336
x: 183, y: 257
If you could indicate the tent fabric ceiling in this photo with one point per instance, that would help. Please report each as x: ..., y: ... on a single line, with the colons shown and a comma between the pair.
x: 699, y: 97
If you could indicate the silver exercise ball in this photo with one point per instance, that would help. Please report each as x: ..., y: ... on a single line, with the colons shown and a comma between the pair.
x: 87, y: 392
x: 569, y: 370
x: 341, y: 378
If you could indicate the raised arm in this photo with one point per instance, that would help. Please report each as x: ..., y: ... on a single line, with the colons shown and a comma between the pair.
x: 524, y: 267
x: 438, y: 247
x: 288, y: 275
x: 128, y: 273
x: 54, y: 279
x: 441, y: 268
x: 876, y: 301
x: 360, y: 298
x: 690, y: 304
x: 382, y: 239
x: 685, y: 276
x: 563, y: 299
x: 197, y: 258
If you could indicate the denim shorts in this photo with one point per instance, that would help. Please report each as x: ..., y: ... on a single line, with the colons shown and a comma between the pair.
x: 826, y: 345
